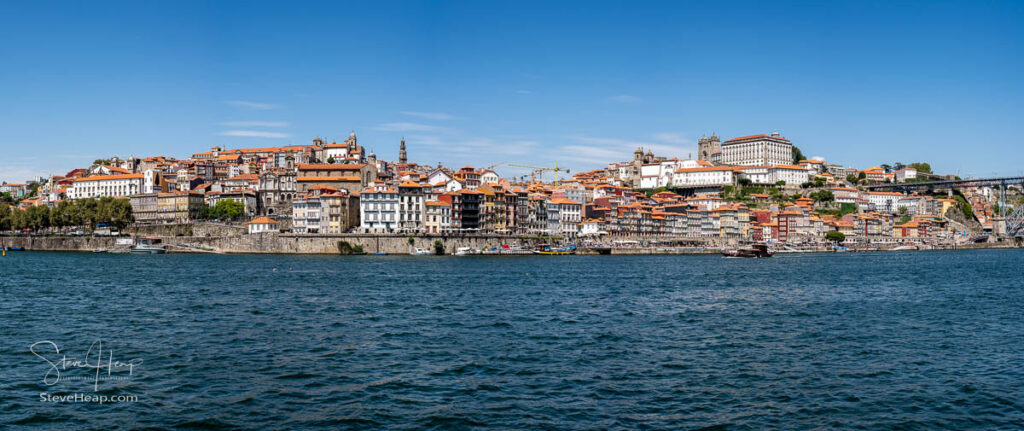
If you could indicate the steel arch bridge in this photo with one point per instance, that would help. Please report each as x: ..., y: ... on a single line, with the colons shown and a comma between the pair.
x: 1014, y: 221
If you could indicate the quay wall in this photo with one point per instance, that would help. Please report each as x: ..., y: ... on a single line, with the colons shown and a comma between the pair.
x: 275, y: 242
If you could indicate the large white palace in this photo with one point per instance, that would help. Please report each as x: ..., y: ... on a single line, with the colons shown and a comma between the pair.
x: 757, y: 150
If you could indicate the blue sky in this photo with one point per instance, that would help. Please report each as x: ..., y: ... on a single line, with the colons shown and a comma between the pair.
x: 580, y: 83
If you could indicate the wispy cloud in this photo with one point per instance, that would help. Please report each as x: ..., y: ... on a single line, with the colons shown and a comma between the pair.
x: 625, y: 98
x: 524, y: 92
x: 673, y: 138
x: 253, y: 134
x: 409, y: 127
x: 440, y: 116
x: 256, y: 124
x: 252, y: 105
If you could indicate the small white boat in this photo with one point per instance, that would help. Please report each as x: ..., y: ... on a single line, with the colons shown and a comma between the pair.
x: 421, y: 252
x: 465, y: 251
x: 148, y: 246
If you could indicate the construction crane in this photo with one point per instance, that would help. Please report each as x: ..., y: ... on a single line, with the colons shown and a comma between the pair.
x: 539, y: 170
x: 494, y: 166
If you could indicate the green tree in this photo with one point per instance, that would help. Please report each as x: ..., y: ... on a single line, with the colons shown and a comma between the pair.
x: 922, y: 167
x: 797, y: 155
x: 119, y: 213
x: 62, y: 214
x: 438, y: 247
x: 38, y: 217
x: 823, y: 196
x: 835, y: 236
x: 852, y: 179
x: 19, y: 219
x: 780, y: 183
x: 224, y: 209
x: 5, y: 217
x: 744, y: 182
x: 330, y: 159
x: 862, y: 176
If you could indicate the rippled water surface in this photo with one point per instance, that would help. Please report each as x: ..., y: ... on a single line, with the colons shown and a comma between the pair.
x: 914, y: 340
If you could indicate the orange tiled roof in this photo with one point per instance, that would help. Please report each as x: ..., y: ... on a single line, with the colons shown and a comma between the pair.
x: 110, y: 177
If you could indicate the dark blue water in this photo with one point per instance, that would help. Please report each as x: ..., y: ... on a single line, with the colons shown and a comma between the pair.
x: 914, y: 340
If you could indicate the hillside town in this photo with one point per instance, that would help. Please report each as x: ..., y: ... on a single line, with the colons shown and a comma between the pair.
x: 756, y: 188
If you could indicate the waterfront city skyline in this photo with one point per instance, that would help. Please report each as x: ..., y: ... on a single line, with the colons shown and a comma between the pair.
x: 475, y: 84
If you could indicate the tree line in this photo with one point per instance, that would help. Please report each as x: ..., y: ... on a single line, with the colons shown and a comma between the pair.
x: 86, y: 213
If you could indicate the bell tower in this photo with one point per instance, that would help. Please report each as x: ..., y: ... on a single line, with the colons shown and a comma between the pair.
x: 402, y: 157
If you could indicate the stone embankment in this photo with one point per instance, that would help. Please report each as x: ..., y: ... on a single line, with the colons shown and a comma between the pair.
x: 219, y: 238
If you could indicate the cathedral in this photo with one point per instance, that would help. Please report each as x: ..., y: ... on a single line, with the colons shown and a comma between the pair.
x: 707, y: 148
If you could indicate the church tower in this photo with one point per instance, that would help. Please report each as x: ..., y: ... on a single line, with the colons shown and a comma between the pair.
x: 402, y: 158
x: 706, y: 147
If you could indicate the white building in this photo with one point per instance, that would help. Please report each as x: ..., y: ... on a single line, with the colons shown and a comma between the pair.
x: 757, y: 150
x: 563, y: 217
x: 410, y: 207
x: 704, y: 177
x: 488, y: 176
x: 593, y: 227
x: 438, y: 176
x: 902, y: 175
x: 306, y: 214
x: 121, y: 185
x: 659, y: 174
x: 887, y: 202
x: 262, y: 224
x: 378, y: 208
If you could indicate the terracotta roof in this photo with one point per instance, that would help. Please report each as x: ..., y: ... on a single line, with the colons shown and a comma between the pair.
x: 262, y: 220
x: 708, y: 169
x: 330, y: 166
x: 110, y: 177
x: 761, y: 136
x: 329, y: 179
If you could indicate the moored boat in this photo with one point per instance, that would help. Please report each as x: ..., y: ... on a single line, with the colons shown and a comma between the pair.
x: 756, y: 250
x: 148, y: 246
x: 421, y: 252
x: 548, y: 250
x: 465, y: 251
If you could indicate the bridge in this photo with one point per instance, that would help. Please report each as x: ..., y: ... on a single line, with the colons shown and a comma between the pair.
x: 947, y: 184
x: 1014, y: 221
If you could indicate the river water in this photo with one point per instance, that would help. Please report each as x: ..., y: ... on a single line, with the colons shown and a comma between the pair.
x: 897, y: 340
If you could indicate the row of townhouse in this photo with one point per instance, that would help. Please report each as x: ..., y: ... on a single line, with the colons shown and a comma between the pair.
x: 708, y: 217
x: 492, y: 208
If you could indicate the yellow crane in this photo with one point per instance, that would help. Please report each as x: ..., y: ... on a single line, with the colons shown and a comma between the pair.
x: 539, y: 170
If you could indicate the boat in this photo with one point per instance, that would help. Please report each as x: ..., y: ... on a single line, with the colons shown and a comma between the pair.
x: 508, y: 250
x: 756, y: 250
x: 101, y: 250
x: 12, y: 248
x: 148, y: 246
x: 380, y: 254
x: 547, y: 250
x: 421, y: 252
x: 465, y: 251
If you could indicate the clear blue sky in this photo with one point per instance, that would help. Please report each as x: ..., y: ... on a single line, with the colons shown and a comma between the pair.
x: 584, y: 83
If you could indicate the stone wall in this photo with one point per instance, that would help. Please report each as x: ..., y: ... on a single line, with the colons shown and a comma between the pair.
x: 277, y: 243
